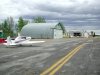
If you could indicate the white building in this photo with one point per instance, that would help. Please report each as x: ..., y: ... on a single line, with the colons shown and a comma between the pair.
x: 82, y: 30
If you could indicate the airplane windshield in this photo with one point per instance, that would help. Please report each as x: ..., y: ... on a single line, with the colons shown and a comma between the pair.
x: 23, y: 37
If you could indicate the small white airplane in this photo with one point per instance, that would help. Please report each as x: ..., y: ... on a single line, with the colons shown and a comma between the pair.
x: 20, y: 41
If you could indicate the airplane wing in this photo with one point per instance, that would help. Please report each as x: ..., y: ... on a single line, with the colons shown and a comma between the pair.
x: 35, y: 41
x: 32, y: 42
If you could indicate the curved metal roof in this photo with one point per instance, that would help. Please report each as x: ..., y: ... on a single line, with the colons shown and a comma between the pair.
x: 39, y: 29
x: 43, y: 25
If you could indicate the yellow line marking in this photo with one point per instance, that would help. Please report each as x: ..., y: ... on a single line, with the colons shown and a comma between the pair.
x: 56, y: 69
x: 61, y: 62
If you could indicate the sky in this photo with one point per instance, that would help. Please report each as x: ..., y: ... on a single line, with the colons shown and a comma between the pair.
x: 69, y: 12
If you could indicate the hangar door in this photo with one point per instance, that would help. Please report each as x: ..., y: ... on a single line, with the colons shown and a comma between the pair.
x: 58, y: 34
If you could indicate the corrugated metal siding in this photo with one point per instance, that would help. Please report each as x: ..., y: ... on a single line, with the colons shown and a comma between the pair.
x: 58, y: 34
x: 40, y: 30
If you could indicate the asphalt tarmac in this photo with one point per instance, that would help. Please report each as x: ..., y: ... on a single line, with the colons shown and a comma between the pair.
x: 73, y: 56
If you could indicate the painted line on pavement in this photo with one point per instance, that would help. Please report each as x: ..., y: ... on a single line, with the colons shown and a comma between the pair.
x: 55, y: 67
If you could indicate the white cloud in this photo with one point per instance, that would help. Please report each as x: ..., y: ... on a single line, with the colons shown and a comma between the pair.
x: 52, y: 9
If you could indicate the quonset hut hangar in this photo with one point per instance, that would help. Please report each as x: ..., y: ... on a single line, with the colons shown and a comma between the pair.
x: 82, y: 30
x: 43, y: 30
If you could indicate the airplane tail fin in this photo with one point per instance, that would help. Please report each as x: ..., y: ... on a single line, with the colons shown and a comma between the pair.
x: 8, y: 40
x: 19, y: 34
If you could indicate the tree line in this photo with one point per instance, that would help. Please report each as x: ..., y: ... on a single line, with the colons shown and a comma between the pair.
x: 10, y: 28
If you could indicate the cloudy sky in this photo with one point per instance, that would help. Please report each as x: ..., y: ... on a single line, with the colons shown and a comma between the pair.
x: 70, y: 12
